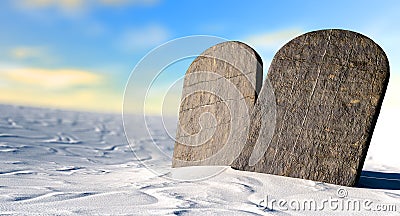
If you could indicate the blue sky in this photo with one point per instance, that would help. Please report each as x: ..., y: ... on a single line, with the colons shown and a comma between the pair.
x: 78, y: 54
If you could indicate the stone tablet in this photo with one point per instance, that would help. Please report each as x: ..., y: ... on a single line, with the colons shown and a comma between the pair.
x: 219, y: 92
x: 329, y: 86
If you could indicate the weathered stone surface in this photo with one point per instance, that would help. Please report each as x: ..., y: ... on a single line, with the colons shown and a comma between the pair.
x: 329, y: 86
x: 219, y: 92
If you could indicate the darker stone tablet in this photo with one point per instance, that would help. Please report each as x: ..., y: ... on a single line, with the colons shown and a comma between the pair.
x: 329, y: 86
x: 219, y: 92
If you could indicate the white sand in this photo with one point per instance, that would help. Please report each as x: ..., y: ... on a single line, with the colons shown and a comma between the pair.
x: 69, y: 163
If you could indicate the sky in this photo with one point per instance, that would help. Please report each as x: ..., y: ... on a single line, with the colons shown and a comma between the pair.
x: 78, y: 54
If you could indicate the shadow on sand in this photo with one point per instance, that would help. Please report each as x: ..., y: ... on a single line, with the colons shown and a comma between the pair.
x: 379, y: 180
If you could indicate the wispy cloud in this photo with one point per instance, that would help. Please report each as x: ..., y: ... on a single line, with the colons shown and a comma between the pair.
x: 268, y: 43
x: 27, y: 52
x: 272, y: 40
x: 127, y: 2
x: 139, y: 38
x: 64, y: 5
x: 48, y: 79
x: 61, y: 88
x: 81, y: 5
x: 37, y: 53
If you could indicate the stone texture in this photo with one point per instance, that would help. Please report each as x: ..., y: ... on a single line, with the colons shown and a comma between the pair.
x: 219, y: 91
x: 329, y: 86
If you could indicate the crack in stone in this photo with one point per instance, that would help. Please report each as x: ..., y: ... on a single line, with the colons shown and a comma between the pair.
x: 217, y: 102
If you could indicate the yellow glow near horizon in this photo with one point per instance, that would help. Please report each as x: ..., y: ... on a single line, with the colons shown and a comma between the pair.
x: 77, y: 100
x: 60, y: 88
x: 54, y: 79
x: 77, y: 90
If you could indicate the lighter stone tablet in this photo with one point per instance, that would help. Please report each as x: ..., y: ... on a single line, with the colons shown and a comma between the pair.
x: 329, y: 86
x: 219, y: 92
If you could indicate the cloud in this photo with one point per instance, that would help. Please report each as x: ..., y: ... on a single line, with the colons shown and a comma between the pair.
x: 48, y: 79
x: 65, y: 5
x: 26, y: 52
x: 38, y: 53
x: 268, y: 43
x: 127, y: 2
x: 81, y: 5
x: 272, y: 40
x: 139, y: 38
x: 59, y: 88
